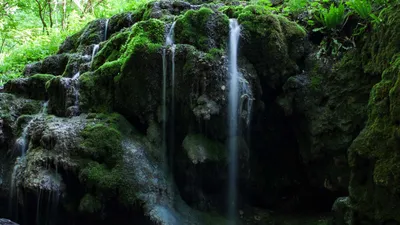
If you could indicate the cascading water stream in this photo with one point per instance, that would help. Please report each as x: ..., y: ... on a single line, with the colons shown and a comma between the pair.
x: 239, y: 107
x: 22, y: 147
x: 94, y: 51
x: 76, y: 91
x: 234, y: 33
x: 23, y: 139
x: 169, y: 43
x: 106, y: 29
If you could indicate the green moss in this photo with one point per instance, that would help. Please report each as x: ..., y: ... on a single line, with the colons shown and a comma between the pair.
x: 194, y: 28
x: 214, y: 53
x: 96, y: 88
x: 112, y: 49
x: 101, y: 157
x: 146, y: 36
x: 42, y: 78
x: 377, y: 195
x: 231, y: 11
x: 379, y: 48
x: 199, y: 149
x: 89, y: 204
x: 102, y: 144
x: 33, y: 87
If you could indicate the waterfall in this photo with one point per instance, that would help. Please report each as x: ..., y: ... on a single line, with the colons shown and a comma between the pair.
x: 22, y: 144
x: 106, y: 29
x: 76, y: 91
x: 22, y: 141
x: 94, y: 51
x: 234, y: 33
x: 169, y: 43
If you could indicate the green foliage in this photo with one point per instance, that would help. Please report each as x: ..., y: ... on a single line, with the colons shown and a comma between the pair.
x: 295, y: 7
x: 102, y: 143
x: 363, y: 8
x: 332, y: 18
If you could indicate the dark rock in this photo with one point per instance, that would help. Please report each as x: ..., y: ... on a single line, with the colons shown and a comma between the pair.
x: 32, y: 69
x: 33, y: 87
x: 55, y: 64
x: 342, y: 213
x: 7, y: 222
x: 63, y: 94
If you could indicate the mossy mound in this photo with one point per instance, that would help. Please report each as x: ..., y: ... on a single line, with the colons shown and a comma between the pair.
x: 204, y: 28
x: 373, y: 157
x: 272, y: 43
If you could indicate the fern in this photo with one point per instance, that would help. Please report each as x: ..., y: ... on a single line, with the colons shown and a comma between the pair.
x: 363, y: 8
x: 332, y: 18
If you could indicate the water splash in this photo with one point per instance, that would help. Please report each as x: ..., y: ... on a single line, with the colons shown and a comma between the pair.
x: 94, y: 52
x: 239, y: 106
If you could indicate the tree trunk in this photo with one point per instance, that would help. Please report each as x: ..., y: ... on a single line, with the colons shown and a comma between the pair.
x: 41, y: 16
x: 64, y: 15
x: 50, y: 13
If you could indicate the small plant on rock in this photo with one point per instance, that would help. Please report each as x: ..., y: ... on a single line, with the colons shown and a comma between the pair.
x: 333, y: 18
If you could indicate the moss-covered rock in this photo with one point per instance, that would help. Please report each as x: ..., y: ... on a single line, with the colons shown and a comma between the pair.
x: 33, y: 87
x: 272, y: 43
x: 96, y: 88
x: 200, y: 149
x: 203, y: 28
x: 373, y: 158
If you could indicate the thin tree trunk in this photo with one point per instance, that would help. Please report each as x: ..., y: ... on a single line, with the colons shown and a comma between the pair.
x: 64, y: 15
x: 50, y: 13
x: 41, y: 16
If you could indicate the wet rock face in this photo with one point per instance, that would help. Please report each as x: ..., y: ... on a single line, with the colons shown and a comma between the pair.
x: 33, y: 87
x: 328, y: 107
x: 7, y: 222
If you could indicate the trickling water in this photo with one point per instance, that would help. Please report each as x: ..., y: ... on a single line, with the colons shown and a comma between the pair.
x: 76, y: 91
x: 169, y: 42
x: 76, y: 76
x: 22, y: 141
x: 94, y: 51
x: 22, y: 147
x: 106, y: 29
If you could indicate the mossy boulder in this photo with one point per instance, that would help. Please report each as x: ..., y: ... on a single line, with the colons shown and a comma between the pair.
x: 33, y: 87
x: 272, y: 43
x: 63, y: 94
x: 200, y: 149
x: 373, y: 158
x: 93, y: 33
x: 328, y: 107
x: 137, y: 85
x: 203, y: 28
x: 96, y: 89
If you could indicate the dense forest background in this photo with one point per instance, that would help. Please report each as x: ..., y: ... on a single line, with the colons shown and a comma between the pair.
x: 33, y: 29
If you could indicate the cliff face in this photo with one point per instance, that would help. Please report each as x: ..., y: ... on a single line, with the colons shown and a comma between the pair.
x: 87, y: 124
